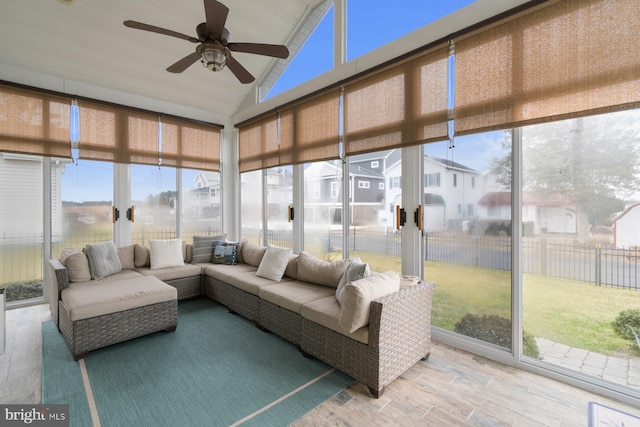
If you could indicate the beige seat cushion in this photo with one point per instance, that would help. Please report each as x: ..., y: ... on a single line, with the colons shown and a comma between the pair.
x: 251, y: 283
x: 292, y: 295
x: 223, y: 271
x: 325, y: 312
x: 171, y: 273
x: 94, y: 299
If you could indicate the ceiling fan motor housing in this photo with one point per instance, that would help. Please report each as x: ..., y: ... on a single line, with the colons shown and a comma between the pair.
x: 213, y: 55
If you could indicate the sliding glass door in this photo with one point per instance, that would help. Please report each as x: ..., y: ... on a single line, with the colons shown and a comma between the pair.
x: 581, y: 241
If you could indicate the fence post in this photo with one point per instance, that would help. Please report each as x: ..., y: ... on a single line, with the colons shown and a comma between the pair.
x: 543, y: 257
x: 598, y: 261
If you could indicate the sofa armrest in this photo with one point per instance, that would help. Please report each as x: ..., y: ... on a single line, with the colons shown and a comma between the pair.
x: 59, y: 278
x: 403, y: 317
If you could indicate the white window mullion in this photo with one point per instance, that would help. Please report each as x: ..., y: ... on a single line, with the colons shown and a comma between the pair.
x: 122, y: 202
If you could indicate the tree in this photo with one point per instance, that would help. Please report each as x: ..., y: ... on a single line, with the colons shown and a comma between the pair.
x: 594, y: 161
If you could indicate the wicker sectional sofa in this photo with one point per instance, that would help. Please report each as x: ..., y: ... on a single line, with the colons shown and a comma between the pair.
x: 397, y: 333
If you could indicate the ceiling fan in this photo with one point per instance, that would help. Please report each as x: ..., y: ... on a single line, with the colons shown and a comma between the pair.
x: 214, y: 49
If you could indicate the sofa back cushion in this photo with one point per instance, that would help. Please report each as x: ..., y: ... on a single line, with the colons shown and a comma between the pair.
x: 141, y: 256
x: 356, y: 299
x: 315, y: 270
x: 126, y: 256
x: 252, y: 254
x: 292, y: 267
x: 103, y: 259
x: 77, y: 265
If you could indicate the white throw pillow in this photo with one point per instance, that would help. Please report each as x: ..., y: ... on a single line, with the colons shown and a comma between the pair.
x: 357, y: 297
x: 166, y: 253
x: 274, y: 263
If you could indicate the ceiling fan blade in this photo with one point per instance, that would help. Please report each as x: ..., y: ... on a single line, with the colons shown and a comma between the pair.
x: 216, y: 14
x: 275, y: 50
x: 154, y: 29
x: 239, y: 71
x: 184, y: 63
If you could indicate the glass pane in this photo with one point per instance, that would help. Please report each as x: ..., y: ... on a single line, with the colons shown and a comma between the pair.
x: 467, y: 237
x: 314, y: 58
x: 374, y: 191
x: 581, y: 238
x: 201, y: 204
x: 279, y: 199
x: 153, y: 195
x: 373, y: 23
x: 323, y: 209
x: 21, y: 226
x: 251, y: 206
x: 85, y: 214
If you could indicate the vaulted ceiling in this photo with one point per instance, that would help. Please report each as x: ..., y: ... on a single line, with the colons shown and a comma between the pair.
x: 85, y: 41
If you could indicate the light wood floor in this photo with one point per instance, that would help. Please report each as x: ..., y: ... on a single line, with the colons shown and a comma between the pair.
x: 452, y: 388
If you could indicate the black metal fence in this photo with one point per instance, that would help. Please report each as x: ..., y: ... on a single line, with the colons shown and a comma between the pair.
x: 543, y: 256
x: 561, y: 258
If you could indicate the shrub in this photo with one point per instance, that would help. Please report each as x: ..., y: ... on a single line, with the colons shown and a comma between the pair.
x: 625, y: 320
x: 24, y: 290
x: 496, y: 330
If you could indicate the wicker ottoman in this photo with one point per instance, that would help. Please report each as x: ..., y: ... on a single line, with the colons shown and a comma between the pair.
x: 95, y: 315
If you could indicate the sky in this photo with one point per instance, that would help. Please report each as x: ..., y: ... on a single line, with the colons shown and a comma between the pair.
x: 370, y: 23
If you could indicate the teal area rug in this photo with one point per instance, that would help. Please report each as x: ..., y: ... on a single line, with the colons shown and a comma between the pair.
x: 217, y: 369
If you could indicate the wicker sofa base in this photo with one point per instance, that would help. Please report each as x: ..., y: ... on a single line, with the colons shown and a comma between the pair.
x: 89, y: 334
x: 281, y: 321
x: 399, y: 331
x: 236, y: 300
x: 188, y: 287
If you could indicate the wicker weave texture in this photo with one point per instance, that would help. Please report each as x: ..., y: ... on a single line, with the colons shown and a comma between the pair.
x: 89, y: 334
x: 235, y: 299
x: 188, y: 287
x: 399, y: 336
x: 281, y: 321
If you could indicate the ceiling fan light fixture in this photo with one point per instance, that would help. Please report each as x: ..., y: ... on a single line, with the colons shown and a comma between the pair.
x: 213, y: 57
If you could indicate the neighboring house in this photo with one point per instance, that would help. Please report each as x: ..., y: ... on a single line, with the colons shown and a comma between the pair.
x: 21, y: 201
x: 452, y: 191
x: 204, y: 200
x: 545, y: 213
x: 626, y: 233
x: 323, y: 193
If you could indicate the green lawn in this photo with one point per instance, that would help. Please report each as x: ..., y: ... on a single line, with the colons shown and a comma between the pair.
x: 574, y: 313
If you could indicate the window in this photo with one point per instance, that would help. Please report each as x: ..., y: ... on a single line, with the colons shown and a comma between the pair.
x: 394, y: 182
x: 363, y: 184
x: 459, y: 209
x: 455, y: 179
x: 381, y: 186
x: 469, y: 209
x: 432, y: 179
x: 473, y: 182
x: 375, y: 164
x: 316, y: 190
x: 335, y: 189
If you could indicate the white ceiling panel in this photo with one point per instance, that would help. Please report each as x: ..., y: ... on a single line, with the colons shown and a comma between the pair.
x: 86, y: 42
